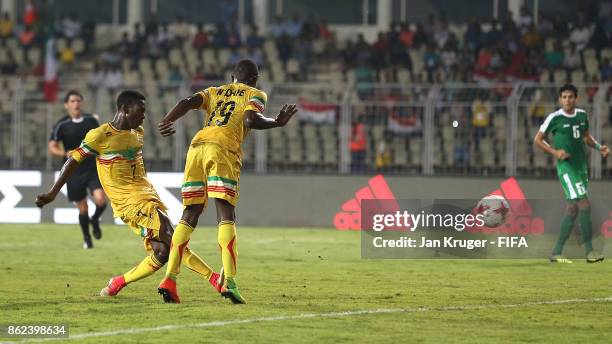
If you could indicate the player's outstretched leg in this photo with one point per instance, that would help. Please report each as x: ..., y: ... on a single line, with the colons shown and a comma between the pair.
x: 196, y: 264
x: 146, y: 268
x: 180, y: 239
x: 178, y: 242
x: 566, y: 229
x: 586, y: 231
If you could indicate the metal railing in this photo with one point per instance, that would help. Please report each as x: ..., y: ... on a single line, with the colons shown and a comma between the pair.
x: 441, y: 129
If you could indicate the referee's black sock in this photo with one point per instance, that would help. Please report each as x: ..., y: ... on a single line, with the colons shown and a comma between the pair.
x: 95, y: 221
x: 99, y: 210
x: 84, y: 222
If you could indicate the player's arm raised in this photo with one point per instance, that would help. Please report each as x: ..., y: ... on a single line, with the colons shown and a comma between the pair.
x: 67, y: 170
x: 540, y: 142
x: 591, y: 142
x: 255, y: 120
x: 166, y: 125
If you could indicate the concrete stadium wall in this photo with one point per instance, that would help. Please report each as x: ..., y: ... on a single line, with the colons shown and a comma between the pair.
x: 274, y: 200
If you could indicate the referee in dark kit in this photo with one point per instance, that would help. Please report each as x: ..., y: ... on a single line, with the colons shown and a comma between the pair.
x: 70, y: 131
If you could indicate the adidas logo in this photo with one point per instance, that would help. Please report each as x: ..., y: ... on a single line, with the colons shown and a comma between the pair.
x: 511, y: 191
x: 377, y: 189
x: 520, y: 220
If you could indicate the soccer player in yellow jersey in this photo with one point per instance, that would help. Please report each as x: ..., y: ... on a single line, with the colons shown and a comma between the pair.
x: 117, y: 147
x: 213, y: 166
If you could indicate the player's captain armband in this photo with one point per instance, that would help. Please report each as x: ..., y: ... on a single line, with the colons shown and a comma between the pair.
x: 257, y: 102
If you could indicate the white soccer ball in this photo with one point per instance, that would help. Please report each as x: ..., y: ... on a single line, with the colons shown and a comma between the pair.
x: 494, y: 210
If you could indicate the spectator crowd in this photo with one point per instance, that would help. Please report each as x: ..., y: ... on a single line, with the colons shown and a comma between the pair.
x: 433, y: 51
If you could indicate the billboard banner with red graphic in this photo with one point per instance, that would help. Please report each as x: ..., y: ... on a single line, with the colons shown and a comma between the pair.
x: 321, y: 201
x: 502, y: 224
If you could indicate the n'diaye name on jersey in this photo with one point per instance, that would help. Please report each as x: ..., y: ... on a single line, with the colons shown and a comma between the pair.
x: 225, y: 107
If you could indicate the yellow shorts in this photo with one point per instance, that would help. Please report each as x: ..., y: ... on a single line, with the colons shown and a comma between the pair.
x: 210, y: 171
x: 143, y: 219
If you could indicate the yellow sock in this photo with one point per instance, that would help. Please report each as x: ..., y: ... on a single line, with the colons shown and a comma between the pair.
x: 227, y: 240
x: 180, y: 239
x: 146, y: 268
x: 196, y: 264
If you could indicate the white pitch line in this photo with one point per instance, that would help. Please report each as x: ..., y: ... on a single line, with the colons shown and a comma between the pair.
x: 315, y: 315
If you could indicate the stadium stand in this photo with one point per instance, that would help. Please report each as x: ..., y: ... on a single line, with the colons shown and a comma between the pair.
x: 407, y: 87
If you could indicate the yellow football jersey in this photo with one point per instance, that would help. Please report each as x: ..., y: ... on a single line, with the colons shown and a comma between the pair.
x: 120, y: 166
x: 225, y: 107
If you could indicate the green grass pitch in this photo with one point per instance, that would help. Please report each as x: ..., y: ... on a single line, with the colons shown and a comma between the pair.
x: 286, y: 274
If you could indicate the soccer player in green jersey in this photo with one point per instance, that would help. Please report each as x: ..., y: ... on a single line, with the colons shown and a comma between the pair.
x: 570, y: 130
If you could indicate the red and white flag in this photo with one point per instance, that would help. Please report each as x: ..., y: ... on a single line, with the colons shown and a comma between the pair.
x: 51, y: 85
x: 404, y: 125
x: 317, y: 112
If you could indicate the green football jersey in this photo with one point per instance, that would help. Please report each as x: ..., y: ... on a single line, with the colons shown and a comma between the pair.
x: 568, y: 131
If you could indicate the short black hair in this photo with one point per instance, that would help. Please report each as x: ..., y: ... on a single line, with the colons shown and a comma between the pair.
x: 128, y: 98
x: 246, y: 70
x: 568, y: 87
x: 72, y: 93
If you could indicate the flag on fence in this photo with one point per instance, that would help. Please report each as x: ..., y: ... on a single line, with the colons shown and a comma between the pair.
x: 317, y: 112
x: 51, y: 85
x: 404, y: 124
